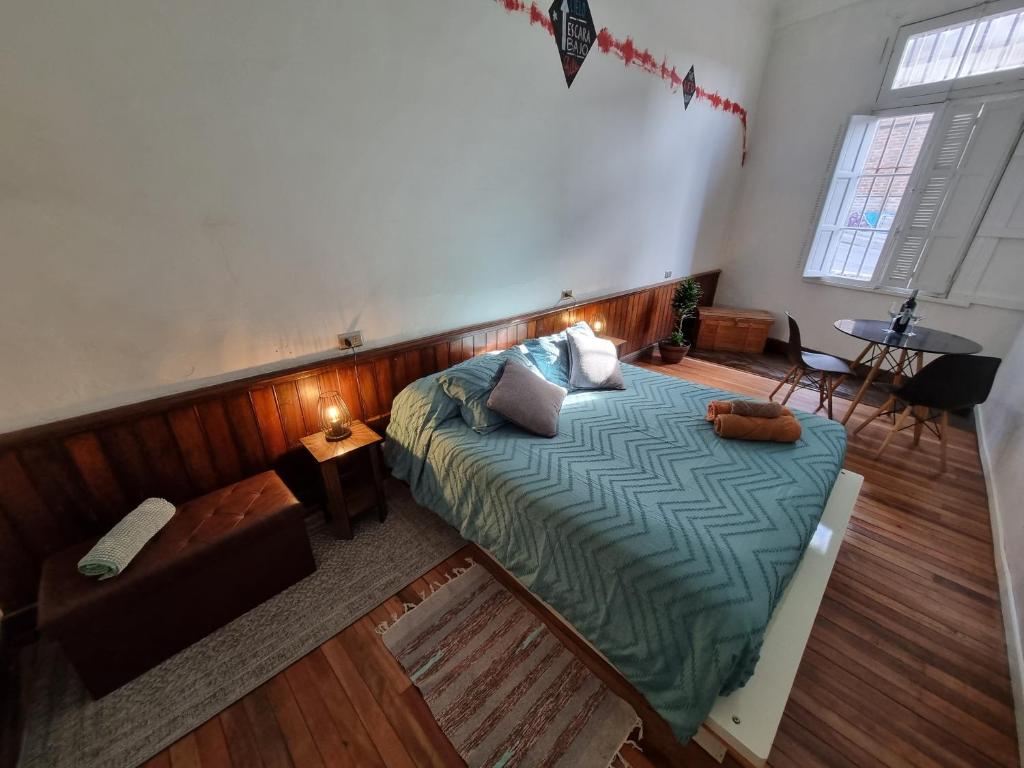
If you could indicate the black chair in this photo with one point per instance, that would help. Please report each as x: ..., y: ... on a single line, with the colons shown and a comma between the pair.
x: 954, y: 383
x: 806, y: 365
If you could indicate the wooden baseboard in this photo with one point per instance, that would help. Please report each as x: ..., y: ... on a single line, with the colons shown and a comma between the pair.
x: 775, y: 346
x: 639, y: 354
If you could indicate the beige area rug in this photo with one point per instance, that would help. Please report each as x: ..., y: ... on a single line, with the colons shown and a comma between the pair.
x: 504, y: 690
x: 65, y: 728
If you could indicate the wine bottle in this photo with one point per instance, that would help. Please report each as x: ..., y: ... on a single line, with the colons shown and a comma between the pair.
x: 901, y: 322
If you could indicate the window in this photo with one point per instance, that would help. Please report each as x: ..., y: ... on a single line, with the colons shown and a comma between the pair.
x: 992, y: 44
x: 979, y: 50
x: 872, y: 176
x: 908, y: 194
x: 907, y: 202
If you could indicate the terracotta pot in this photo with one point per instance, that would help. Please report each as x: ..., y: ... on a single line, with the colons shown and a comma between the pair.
x: 672, y: 353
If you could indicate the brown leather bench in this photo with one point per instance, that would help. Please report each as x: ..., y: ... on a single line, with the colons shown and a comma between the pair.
x: 218, y: 557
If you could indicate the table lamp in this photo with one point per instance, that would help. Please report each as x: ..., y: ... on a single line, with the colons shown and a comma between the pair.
x: 335, y: 417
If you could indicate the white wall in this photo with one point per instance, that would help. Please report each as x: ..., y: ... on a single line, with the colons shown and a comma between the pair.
x: 825, y: 62
x: 1002, y: 445
x: 190, y: 189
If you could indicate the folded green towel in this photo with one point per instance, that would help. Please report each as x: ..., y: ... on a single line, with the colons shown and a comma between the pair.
x: 124, y: 541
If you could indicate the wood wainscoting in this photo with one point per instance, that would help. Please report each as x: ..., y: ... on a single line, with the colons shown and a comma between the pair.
x: 63, y: 482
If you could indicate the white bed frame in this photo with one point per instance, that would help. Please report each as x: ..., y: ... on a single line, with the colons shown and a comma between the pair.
x: 746, y: 721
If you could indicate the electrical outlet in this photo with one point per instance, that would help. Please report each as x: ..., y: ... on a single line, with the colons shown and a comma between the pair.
x: 668, y: 274
x: 567, y: 294
x: 350, y: 340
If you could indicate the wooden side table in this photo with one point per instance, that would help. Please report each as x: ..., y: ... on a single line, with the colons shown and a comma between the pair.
x: 619, y: 343
x: 327, y: 455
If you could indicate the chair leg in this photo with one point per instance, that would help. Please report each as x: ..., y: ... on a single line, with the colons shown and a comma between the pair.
x: 821, y: 393
x: 796, y: 380
x: 866, y: 385
x: 895, y: 428
x: 786, y: 379
x: 881, y: 409
x: 919, y: 415
x: 943, y: 440
x: 830, y: 387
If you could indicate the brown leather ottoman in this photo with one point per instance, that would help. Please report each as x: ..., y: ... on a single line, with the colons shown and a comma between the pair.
x: 218, y: 557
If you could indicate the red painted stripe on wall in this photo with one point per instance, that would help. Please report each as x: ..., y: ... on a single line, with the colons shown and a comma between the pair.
x: 643, y: 59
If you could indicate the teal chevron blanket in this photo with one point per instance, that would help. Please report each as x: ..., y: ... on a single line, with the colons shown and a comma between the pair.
x: 666, y: 547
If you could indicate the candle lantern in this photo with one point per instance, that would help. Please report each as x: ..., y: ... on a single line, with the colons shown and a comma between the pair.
x: 335, y: 417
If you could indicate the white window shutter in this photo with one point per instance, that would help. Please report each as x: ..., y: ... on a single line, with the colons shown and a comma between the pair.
x: 953, y: 137
x: 829, y: 211
x: 968, y: 156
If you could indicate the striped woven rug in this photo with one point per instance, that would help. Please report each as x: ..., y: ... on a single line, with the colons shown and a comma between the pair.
x: 504, y: 690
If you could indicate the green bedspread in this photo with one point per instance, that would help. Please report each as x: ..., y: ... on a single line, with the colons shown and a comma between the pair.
x: 665, y: 546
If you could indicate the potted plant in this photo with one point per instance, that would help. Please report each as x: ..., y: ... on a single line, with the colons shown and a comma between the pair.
x: 684, y: 306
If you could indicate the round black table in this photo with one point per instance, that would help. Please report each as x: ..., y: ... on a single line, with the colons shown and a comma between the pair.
x: 904, y: 352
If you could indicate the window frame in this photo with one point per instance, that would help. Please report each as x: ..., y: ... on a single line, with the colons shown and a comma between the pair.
x: 961, y: 87
x: 875, y: 282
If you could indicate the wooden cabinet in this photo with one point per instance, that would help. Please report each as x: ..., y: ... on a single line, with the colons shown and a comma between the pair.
x: 734, y: 330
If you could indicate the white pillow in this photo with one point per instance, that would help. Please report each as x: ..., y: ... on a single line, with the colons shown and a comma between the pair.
x: 593, y: 362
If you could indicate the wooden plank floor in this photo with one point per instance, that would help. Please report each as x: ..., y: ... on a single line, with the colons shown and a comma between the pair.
x: 906, y: 665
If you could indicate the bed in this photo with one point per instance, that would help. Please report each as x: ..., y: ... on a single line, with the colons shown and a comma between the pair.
x: 666, y: 547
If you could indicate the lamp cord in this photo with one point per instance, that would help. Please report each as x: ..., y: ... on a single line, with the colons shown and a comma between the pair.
x: 359, y: 390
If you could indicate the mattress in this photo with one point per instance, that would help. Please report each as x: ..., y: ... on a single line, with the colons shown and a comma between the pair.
x: 665, y: 546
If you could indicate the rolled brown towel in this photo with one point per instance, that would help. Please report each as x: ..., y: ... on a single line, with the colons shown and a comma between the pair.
x: 746, y: 408
x: 716, y: 407
x: 760, y: 410
x: 785, y: 429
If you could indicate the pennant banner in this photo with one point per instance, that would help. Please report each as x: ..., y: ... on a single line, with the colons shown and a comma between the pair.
x: 633, y: 57
x: 574, y: 33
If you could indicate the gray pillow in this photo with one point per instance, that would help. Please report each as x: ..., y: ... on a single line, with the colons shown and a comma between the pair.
x: 526, y: 399
x: 593, y: 363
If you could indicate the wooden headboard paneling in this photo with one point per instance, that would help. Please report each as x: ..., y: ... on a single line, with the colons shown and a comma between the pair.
x: 66, y: 481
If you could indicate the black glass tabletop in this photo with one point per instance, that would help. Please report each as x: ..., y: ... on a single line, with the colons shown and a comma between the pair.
x: 922, y: 340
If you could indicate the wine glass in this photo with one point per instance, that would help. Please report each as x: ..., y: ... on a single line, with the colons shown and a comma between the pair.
x: 914, y: 320
x: 894, y: 310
